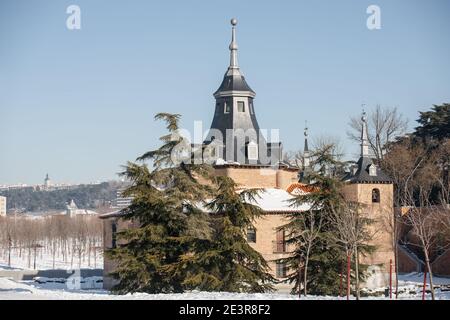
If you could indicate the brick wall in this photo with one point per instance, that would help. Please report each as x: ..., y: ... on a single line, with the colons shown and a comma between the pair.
x: 407, y: 263
x: 259, y: 177
x: 441, y: 266
x: 382, y: 213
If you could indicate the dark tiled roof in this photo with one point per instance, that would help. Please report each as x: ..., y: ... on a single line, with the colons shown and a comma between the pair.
x: 362, y: 174
x: 234, y: 83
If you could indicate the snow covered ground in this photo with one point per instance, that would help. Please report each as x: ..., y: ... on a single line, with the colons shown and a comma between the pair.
x: 44, y: 261
x: 410, y: 287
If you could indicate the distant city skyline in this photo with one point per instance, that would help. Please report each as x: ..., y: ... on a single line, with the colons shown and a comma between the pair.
x: 78, y: 104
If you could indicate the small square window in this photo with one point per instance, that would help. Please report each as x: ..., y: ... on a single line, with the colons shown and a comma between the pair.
x: 241, y: 106
x: 252, y: 151
x: 281, y: 270
x: 372, y: 170
x: 251, y: 235
x: 227, y: 108
x: 114, y: 235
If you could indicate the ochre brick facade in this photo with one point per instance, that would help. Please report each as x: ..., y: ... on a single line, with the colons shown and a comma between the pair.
x: 382, y: 214
x: 267, y: 225
x: 266, y: 238
x: 259, y: 177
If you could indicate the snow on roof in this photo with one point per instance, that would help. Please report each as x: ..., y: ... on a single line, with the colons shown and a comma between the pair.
x: 270, y: 200
x: 116, y: 213
x: 278, y: 200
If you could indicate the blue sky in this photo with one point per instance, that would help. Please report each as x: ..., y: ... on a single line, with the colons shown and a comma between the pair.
x: 78, y: 104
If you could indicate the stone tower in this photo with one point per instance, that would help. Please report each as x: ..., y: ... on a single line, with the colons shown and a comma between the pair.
x: 368, y: 185
x: 47, y: 182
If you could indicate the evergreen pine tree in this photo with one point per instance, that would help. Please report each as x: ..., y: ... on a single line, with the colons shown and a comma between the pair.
x: 434, y: 124
x: 166, y: 224
x: 227, y: 262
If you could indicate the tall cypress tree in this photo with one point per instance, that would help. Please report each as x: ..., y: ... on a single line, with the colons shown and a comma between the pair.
x: 166, y: 224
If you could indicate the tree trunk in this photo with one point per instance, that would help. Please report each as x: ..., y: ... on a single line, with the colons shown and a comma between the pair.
x: 299, y: 277
x: 54, y: 254
x: 34, y: 257
x: 396, y: 269
x: 348, y: 275
x: 430, y: 274
x: 424, y: 288
x: 29, y: 255
x: 9, y: 252
x: 305, y: 272
x: 89, y: 253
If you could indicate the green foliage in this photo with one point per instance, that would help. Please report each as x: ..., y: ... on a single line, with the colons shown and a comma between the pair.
x: 434, y: 124
x: 176, y: 245
x: 312, y: 233
x: 167, y: 225
x: 227, y: 262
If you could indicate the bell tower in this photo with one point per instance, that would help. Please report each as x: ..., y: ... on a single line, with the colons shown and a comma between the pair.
x: 369, y: 186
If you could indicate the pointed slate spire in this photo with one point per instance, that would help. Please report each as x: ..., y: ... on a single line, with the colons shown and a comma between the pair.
x: 306, y: 155
x: 366, y: 171
x: 235, y: 122
x: 233, y: 79
x: 304, y: 174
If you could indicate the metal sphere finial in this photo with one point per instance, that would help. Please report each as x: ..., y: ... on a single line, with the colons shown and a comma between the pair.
x: 364, y: 114
x: 233, y: 21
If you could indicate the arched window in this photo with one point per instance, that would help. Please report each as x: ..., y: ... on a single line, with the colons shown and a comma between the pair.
x: 376, y: 196
x: 281, y: 270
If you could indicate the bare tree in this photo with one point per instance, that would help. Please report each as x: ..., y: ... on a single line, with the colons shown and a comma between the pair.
x: 305, y: 233
x: 53, y: 235
x: 351, y: 233
x: 337, y: 147
x: 423, y: 220
x: 312, y: 226
x: 384, y: 125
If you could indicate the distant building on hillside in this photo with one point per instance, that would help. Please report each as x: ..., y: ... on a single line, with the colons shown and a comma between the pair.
x: 72, y: 210
x: 2, y: 206
x: 47, y: 182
